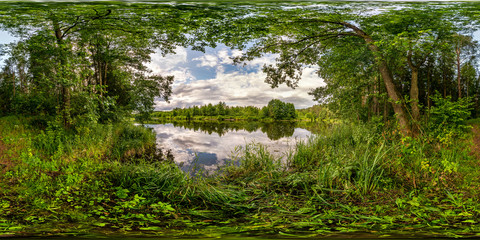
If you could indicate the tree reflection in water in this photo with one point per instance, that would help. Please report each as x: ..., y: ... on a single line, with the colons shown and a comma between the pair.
x: 274, y: 130
x: 206, y: 145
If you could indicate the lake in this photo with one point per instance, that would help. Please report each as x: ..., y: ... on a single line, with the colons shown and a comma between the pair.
x: 207, y: 145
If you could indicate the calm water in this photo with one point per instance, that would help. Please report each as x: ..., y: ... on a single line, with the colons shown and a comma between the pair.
x: 209, y: 145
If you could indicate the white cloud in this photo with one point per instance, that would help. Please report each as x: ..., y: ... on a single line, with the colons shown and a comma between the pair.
x: 169, y: 61
x: 259, y: 62
x: 245, y: 86
x: 173, y: 64
x: 240, y: 89
x: 207, y: 60
x: 224, y: 57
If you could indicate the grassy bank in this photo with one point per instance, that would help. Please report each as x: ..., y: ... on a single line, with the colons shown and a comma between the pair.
x: 351, y: 178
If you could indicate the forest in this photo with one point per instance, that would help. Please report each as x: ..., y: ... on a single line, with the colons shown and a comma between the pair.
x: 395, y: 153
x: 275, y: 110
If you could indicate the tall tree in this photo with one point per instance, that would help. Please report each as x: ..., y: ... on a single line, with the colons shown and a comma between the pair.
x: 303, y: 37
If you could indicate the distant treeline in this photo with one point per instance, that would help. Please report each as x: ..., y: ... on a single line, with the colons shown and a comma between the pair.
x: 275, y: 110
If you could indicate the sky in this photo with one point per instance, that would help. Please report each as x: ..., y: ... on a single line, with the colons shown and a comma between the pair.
x: 211, y: 77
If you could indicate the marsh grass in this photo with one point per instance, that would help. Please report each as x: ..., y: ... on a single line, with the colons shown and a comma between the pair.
x: 348, y: 159
x: 252, y: 162
x: 369, y: 168
x: 347, y: 177
x: 167, y: 183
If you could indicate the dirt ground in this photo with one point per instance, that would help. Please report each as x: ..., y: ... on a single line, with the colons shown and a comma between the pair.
x: 5, y: 159
x: 476, y: 141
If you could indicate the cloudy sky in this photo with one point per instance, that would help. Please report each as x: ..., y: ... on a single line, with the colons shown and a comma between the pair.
x: 210, y: 77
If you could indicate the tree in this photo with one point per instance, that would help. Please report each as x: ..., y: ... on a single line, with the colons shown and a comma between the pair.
x: 279, y: 110
x: 465, y: 48
x: 92, y: 53
x: 304, y: 37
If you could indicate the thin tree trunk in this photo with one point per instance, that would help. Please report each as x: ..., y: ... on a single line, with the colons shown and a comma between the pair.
x: 13, y: 82
x: 466, y: 85
x: 414, y: 98
x: 65, y: 107
x: 458, y: 72
x: 444, y: 82
x: 428, y: 87
x: 385, y: 111
x: 428, y: 93
x: 105, y: 75
x: 23, y: 79
x: 375, y: 98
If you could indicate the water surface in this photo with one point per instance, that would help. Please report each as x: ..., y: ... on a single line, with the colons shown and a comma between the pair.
x: 207, y: 145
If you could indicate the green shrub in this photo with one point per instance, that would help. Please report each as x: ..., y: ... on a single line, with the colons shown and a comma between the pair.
x: 54, y: 140
x: 449, y: 118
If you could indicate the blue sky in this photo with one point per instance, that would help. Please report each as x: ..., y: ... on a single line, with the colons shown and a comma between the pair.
x: 210, y: 77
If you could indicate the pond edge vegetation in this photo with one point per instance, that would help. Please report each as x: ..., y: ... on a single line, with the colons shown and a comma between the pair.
x: 353, y: 177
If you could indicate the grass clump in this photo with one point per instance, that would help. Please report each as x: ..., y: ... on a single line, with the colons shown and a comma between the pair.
x: 350, y: 159
x: 131, y: 140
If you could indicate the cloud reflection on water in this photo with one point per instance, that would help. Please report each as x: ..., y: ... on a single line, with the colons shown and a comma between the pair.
x: 198, y: 148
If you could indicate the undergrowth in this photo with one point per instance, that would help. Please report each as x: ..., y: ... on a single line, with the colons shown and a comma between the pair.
x: 352, y: 177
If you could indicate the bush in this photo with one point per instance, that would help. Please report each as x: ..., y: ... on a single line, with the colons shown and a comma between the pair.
x: 448, y: 118
x: 54, y: 140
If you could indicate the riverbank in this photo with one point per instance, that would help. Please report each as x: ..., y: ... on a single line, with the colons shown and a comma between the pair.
x: 232, y: 119
x: 351, y: 178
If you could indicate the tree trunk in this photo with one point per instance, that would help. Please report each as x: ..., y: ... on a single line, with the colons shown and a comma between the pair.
x: 429, y: 104
x: 21, y: 72
x: 99, y: 76
x: 466, y: 90
x: 65, y: 106
x: 457, y: 50
x: 444, y: 82
x: 414, y: 99
x: 105, y: 75
x: 375, y: 98
x: 393, y: 94
x: 13, y: 82
x: 387, y: 79
x: 428, y: 87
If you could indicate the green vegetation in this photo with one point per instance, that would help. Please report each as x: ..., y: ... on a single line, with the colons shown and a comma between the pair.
x: 373, y: 64
x: 401, y: 156
x: 275, y: 110
x: 353, y: 177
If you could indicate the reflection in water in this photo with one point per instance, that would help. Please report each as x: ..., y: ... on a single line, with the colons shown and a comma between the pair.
x: 274, y: 130
x: 206, y: 145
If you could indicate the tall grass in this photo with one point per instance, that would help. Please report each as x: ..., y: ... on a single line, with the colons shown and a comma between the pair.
x: 55, y: 159
x: 131, y: 141
x: 251, y: 162
x: 343, y: 158
x: 369, y: 169
x: 166, y: 182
